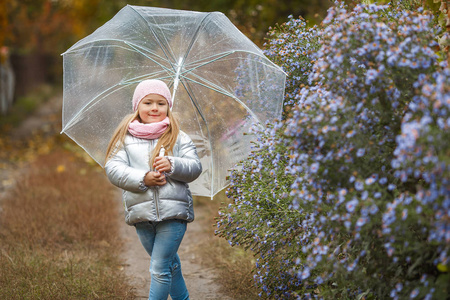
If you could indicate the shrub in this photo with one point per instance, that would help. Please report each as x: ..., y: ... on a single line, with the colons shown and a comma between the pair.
x: 260, y: 219
x: 366, y: 155
x: 292, y: 46
x: 422, y: 237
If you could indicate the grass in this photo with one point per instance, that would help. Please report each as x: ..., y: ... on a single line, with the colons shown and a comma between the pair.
x: 59, y: 236
x: 234, y: 265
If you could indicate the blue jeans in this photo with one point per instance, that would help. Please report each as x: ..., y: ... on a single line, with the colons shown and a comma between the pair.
x: 161, y: 241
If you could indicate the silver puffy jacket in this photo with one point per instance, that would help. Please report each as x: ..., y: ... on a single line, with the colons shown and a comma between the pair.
x: 170, y: 201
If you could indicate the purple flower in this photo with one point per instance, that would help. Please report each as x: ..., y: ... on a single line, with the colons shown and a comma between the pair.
x: 364, y: 195
x: 360, y: 152
x: 359, y: 186
x: 361, y: 221
x: 373, y: 209
x: 389, y: 249
x: 404, y: 214
x: 418, y: 209
x: 393, y: 293
x: 371, y: 75
x: 314, y: 167
x: 305, y: 273
x: 414, y: 293
x: 347, y: 224
x: 351, y: 205
x: 370, y: 180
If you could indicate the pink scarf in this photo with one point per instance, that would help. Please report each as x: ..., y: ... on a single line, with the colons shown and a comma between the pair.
x: 148, y: 131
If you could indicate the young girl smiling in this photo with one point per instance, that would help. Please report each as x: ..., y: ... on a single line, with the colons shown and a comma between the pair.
x: 152, y: 161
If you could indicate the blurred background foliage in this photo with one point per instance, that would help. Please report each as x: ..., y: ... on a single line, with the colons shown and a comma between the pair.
x: 33, y: 33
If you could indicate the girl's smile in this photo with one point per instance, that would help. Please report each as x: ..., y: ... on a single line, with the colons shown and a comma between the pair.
x: 153, y: 108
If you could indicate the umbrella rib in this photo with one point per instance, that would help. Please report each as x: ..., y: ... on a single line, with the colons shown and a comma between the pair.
x: 163, y: 47
x: 137, y: 79
x: 105, y: 93
x: 190, y: 94
x: 99, y: 46
x: 270, y: 64
x: 225, y: 54
x: 194, y: 38
x: 83, y: 147
x: 79, y: 48
x: 133, y: 46
x: 137, y: 49
x: 219, y: 90
x: 177, y: 66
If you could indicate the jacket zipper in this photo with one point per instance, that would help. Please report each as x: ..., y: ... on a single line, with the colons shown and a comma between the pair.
x: 156, y: 198
x: 155, y: 189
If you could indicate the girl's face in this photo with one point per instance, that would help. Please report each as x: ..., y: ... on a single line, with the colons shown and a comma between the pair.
x: 153, y: 108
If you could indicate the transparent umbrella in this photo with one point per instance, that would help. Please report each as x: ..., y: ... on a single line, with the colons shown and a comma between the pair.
x: 221, y: 83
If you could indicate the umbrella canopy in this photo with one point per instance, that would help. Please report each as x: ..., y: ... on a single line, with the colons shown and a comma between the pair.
x: 221, y: 83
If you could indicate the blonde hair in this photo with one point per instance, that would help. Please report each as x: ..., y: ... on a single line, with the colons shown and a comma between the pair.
x: 168, y: 139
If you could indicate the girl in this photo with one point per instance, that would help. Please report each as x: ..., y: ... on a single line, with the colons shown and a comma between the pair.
x: 156, y: 196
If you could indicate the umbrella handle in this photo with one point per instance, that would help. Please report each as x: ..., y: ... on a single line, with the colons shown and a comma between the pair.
x: 162, y: 151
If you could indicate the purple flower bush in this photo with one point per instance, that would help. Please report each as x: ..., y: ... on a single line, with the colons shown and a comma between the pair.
x: 292, y: 46
x: 418, y: 217
x: 349, y: 198
x: 261, y: 219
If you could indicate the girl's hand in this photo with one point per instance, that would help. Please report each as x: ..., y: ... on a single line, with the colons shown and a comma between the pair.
x: 162, y: 164
x: 154, y: 179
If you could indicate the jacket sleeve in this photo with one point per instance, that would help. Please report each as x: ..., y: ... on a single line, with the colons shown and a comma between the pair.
x: 122, y: 175
x: 186, y: 166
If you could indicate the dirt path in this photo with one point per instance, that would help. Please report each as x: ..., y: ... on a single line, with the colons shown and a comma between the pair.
x: 202, y: 283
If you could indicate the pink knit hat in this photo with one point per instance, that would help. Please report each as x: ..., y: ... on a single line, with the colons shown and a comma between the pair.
x: 151, y: 86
